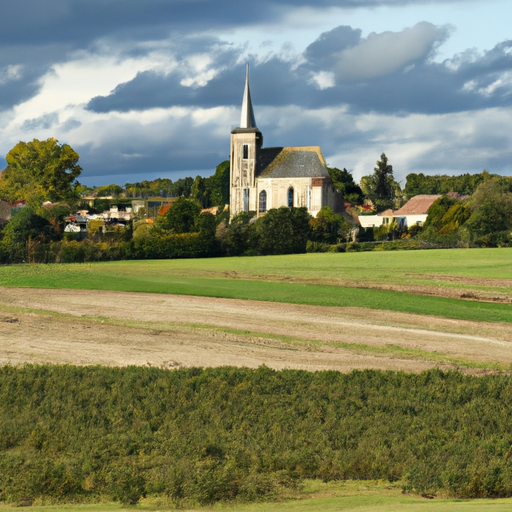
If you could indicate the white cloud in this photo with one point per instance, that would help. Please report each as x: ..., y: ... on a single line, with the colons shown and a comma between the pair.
x: 487, y: 91
x: 470, y: 86
x: 324, y: 80
x: 11, y: 74
x: 383, y: 53
x: 198, y: 70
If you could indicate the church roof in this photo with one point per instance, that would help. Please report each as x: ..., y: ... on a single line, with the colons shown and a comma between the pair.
x: 247, y: 119
x: 291, y: 162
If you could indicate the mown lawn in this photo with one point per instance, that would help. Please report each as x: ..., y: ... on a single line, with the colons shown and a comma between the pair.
x: 389, y: 267
x: 362, y: 503
x: 301, y: 279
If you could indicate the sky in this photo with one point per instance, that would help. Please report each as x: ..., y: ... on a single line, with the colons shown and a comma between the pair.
x: 148, y: 89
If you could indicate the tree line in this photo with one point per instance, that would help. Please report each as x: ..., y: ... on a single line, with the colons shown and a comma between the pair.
x: 46, y: 170
x: 184, y: 231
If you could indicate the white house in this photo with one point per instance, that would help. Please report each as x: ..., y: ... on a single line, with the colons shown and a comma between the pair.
x: 414, y: 212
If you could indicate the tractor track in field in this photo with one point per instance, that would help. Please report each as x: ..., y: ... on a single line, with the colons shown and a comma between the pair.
x: 170, y: 331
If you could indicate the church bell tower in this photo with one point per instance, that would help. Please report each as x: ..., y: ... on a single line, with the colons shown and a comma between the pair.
x: 245, y: 144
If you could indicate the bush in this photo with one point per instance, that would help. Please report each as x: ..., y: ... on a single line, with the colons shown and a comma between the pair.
x: 196, y: 436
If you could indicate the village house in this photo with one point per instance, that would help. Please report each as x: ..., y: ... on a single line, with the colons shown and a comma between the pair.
x: 265, y: 178
x: 414, y: 212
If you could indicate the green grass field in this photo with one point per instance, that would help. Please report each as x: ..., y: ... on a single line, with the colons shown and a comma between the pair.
x: 348, y: 496
x: 332, y: 279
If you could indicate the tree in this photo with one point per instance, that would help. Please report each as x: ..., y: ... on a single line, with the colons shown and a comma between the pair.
x: 283, y: 230
x: 380, y: 187
x: 344, y: 183
x: 445, y: 218
x: 181, y: 217
x: 491, y: 208
x: 328, y: 227
x: 23, y: 234
x: 239, y: 237
x: 442, y: 184
x: 436, y: 212
x: 41, y: 171
x: 109, y: 190
x: 214, y: 190
x: 218, y: 185
x: 199, y: 192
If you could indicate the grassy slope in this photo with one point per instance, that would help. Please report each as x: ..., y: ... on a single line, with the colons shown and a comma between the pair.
x: 314, y: 279
x: 375, y: 502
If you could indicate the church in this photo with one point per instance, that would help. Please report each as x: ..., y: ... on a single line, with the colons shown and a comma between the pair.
x: 265, y: 178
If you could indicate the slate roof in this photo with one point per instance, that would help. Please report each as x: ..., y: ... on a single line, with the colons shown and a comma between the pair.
x: 417, y: 205
x: 291, y: 162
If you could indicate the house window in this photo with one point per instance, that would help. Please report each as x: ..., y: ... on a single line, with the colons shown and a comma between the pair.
x: 290, y: 197
x: 308, y: 197
x: 263, y: 201
x: 245, y: 151
x: 246, y: 199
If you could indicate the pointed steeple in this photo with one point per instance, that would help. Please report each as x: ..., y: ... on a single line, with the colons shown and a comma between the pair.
x: 247, y: 118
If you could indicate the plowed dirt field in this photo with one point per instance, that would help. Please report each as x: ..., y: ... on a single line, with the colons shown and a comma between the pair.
x: 170, y: 331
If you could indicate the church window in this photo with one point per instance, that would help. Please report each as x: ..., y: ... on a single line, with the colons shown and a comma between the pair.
x: 290, y: 197
x: 246, y: 199
x: 246, y: 151
x: 263, y: 201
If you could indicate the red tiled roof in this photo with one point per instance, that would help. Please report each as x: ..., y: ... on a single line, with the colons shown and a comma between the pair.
x: 164, y: 209
x: 417, y: 205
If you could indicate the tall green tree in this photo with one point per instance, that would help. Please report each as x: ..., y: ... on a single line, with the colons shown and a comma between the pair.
x: 344, y: 183
x: 41, y: 170
x: 218, y: 185
x: 214, y: 190
x: 381, y: 187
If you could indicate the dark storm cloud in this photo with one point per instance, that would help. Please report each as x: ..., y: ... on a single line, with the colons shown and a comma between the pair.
x: 37, y: 34
x: 366, y: 75
x: 81, y: 21
x: 323, y: 52
x: 41, y: 123
x: 272, y: 80
x: 14, y: 92
x: 122, y: 154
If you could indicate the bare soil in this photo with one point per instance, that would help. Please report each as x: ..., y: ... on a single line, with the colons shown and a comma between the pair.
x: 170, y: 331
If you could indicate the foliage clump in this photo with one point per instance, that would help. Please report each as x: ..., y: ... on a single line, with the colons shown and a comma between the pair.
x: 199, y: 436
x: 41, y: 170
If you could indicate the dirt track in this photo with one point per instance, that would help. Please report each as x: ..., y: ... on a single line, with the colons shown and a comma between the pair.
x: 113, y: 328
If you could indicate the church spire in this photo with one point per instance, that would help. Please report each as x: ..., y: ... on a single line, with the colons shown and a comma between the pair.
x: 247, y: 118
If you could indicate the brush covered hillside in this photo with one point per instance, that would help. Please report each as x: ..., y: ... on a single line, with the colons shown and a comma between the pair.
x: 200, y: 436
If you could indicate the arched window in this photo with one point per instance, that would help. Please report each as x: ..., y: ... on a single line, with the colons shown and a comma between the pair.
x: 263, y: 201
x: 290, y: 197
